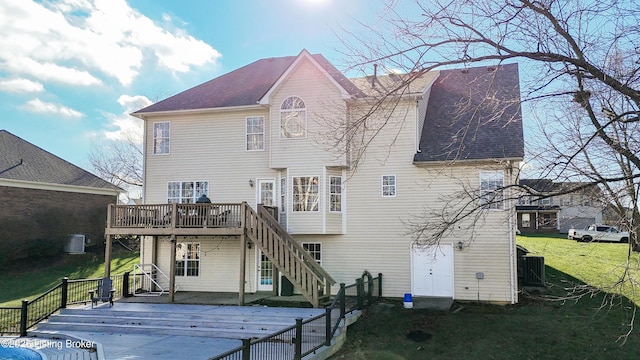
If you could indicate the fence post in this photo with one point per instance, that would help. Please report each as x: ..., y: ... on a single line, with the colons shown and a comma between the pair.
x: 343, y: 298
x: 65, y: 293
x: 298, y: 340
x: 246, y: 349
x: 23, y: 318
x: 328, y: 326
x: 379, y: 285
x: 125, y: 284
x: 360, y: 295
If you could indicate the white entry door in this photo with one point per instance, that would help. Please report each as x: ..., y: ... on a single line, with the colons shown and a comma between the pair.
x: 266, y: 192
x: 265, y: 273
x: 265, y: 196
x: 432, y: 271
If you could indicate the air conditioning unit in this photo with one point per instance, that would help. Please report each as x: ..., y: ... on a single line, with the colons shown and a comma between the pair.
x: 75, y: 244
x: 533, y: 271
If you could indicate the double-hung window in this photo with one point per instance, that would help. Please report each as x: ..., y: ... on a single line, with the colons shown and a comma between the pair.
x: 161, y: 138
x: 187, y: 259
x: 335, y: 193
x: 492, y: 189
x: 305, y: 193
x: 182, y: 192
x: 388, y: 185
x: 255, y: 133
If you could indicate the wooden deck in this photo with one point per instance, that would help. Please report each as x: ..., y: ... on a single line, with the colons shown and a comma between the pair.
x: 175, y: 219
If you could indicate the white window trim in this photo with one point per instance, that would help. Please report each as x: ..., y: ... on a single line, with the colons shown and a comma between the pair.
x: 319, y: 262
x: 395, y: 186
x: 246, y: 134
x: 153, y: 145
x: 306, y: 111
x: 187, y: 181
x: 491, y: 173
x: 184, y: 274
x: 341, y: 194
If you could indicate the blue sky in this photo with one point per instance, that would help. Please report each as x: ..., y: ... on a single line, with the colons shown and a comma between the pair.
x: 72, y: 70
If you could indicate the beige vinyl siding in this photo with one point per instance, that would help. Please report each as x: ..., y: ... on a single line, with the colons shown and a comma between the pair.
x: 323, y: 102
x: 307, y: 156
x: 377, y: 240
x: 219, y: 265
x: 198, y: 154
x: 371, y: 232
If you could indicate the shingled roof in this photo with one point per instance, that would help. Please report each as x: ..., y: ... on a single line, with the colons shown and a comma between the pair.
x: 244, y: 86
x: 21, y: 160
x: 473, y: 114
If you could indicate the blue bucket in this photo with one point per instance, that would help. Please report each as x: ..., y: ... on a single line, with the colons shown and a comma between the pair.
x: 408, y: 298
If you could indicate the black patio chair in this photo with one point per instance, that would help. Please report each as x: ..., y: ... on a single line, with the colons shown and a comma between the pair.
x: 103, y: 293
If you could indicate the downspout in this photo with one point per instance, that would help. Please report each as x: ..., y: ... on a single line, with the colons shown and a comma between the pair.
x: 512, y: 241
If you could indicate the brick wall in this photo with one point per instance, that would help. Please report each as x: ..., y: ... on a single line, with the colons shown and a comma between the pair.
x: 81, y: 213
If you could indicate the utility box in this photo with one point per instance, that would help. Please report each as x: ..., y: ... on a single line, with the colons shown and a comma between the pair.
x: 75, y: 244
x: 533, y: 271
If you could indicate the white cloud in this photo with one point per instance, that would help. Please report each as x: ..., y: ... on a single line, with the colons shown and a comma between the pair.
x: 39, y: 106
x: 20, y: 86
x: 127, y: 127
x: 78, y: 42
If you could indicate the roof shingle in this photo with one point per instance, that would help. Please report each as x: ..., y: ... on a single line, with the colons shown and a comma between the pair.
x: 21, y: 160
x: 242, y: 87
x: 473, y: 114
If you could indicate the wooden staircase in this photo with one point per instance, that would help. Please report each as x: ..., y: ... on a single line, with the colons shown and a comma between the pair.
x: 293, y: 261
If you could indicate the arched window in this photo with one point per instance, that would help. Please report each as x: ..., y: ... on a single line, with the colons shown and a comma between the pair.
x: 293, y: 118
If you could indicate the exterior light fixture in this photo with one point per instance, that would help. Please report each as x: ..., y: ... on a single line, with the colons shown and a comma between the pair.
x: 460, y: 245
x: 251, y: 182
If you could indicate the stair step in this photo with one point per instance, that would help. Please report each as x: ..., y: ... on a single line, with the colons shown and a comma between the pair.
x: 105, y: 315
x: 169, y: 322
x: 156, y: 330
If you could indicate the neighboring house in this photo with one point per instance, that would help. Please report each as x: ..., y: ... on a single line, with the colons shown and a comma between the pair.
x: 258, y: 134
x: 540, y: 212
x: 44, y: 196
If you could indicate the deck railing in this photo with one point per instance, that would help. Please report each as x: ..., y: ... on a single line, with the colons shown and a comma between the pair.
x: 308, y: 336
x: 17, y: 320
x: 174, y: 216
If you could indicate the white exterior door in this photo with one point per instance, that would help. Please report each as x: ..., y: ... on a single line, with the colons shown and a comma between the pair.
x: 266, y: 195
x: 432, y: 271
x: 265, y: 273
x: 266, y: 192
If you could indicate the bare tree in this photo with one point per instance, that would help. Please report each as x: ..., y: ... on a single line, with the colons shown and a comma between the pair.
x: 580, y: 83
x: 119, y: 162
x: 580, y: 74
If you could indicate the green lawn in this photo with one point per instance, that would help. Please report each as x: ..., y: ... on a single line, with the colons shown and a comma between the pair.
x: 541, y: 326
x: 28, y: 278
x: 601, y: 265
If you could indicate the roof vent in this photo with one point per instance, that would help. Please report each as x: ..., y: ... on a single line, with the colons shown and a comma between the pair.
x: 465, y: 71
x: 490, y: 69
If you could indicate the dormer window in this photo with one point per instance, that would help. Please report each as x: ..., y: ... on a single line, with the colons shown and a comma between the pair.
x: 293, y: 118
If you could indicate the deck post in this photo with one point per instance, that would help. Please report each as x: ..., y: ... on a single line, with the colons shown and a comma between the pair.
x: 243, y: 254
x: 107, y: 256
x: 172, y: 269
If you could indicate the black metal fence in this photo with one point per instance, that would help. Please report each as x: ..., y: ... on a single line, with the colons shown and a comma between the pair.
x: 294, y: 342
x: 17, y: 320
x: 307, y: 336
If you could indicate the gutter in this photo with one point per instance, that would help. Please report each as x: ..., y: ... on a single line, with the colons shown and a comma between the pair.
x: 143, y: 115
x: 464, y: 161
